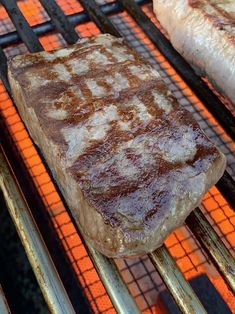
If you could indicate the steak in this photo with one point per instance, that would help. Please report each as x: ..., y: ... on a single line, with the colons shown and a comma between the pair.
x: 203, y: 32
x: 130, y: 162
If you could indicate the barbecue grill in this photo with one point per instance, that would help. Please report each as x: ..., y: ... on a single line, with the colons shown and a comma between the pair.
x: 74, y: 277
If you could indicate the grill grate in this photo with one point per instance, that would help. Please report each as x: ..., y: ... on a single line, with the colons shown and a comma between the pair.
x: 126, y: 25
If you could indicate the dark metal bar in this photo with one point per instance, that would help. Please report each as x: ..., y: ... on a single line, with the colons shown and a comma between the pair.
x: 61, y: 22
x: 213, y: 246
x: 226, y: 186
x: 22, y: 26
x: 3, y: 70
x: 115, y: 286
x: 213, y: 104
x: 98, y: 17
x: 75, y: 19
x: 180, y: 289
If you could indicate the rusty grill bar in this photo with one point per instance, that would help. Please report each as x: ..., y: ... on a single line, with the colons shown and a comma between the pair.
x: 162, y: 260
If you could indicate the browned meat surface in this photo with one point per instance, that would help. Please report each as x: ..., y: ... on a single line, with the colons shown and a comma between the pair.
x: 131, y: 163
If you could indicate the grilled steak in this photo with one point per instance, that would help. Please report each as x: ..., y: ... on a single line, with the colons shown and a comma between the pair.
x: 130, y: 162
x: 203, y: 31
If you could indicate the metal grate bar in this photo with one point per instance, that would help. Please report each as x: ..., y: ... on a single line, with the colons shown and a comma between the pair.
x: 213, y: 246
x: 98, y: 17
x: 3, y: 71
x: 74, y: 19
x: 4, y: 308
x: 213, y: 104
x: 180, y: 289
x: 22, y: 26
x: 62, y: 24
x: 51, y: 286
x: 226, y: 186
x: 116, y: 288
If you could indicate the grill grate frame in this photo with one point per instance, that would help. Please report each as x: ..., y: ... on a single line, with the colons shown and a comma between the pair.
x: 224, y: 186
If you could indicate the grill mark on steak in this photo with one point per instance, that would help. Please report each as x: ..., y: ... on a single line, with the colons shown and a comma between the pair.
x: 218, y: 14
x: 82, y: 53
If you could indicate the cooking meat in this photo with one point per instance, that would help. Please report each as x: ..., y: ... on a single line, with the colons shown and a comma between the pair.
x: 130, y: 162
x: 203, y: 32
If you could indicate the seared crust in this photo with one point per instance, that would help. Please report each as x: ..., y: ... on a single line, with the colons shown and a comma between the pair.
x: 221, y: 14
x: 203, y: 31
x: 130, y: 161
